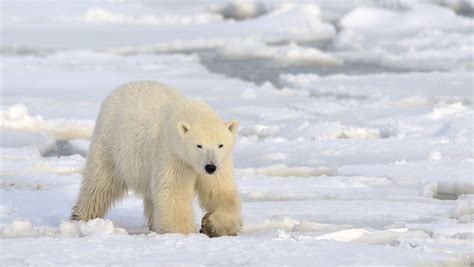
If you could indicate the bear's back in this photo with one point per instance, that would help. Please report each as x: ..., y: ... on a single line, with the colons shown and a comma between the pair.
x: 129, y: 124
x: 140, y: 99
x: 143, y: 92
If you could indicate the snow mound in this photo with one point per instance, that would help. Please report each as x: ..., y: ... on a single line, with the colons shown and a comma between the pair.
x: 243, y: 9
x: 454, y: 120
x: 405, y: 88
x: 372, y: 19
x: 19, y: 228
x: 294, y: 54
x: 171, y: 46
x: 247, y: 48
x: 434, y: 176
x: 375, y: 237
x: 248, y: 94
x: 291, y: 54
x: 16, y: 117
x: 96, y: 227
x: 464, y: 211
x: 329, y: 130
x: 306, y: 24
x: 446, y: 229
x: 284, y: 222
x: 443, y: 111
x: 344, y: 235
x: 259, y: 130
x: 100, y: 15
x: 415, y: 39
x: 359, y: 235
x: 282, y: 170
x: 301, y: 80
x: 323, y: 130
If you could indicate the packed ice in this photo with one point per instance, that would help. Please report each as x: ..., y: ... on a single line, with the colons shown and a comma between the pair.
x: 355, y: 145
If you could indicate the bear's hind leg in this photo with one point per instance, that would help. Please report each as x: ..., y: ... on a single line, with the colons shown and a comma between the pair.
x: 148, y: 209
x: 100, y: 187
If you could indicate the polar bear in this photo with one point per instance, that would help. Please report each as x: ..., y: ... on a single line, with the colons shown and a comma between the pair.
x: 167, y: 149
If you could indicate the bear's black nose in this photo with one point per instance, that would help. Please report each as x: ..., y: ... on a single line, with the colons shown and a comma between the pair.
x: 210, y: 168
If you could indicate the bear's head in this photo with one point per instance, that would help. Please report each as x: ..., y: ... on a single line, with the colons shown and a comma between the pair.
x: 205, y: 145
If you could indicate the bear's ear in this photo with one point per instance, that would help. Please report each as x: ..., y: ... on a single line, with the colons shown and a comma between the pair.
x: 183, y: 127
x: 233, y: 126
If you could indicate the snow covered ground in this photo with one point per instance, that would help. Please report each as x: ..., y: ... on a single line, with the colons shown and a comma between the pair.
x: 356, y: 139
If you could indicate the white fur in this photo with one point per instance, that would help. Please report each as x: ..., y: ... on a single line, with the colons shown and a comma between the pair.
x: 146, y: 140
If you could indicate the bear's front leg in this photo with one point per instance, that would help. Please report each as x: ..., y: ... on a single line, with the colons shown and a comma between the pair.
x: 219, y: 197
x: 223, y: 221
x: 173, y: 199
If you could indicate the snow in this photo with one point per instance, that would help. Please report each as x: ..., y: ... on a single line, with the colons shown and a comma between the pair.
x: 425, y: 37
x: 359, y: 152
x: 99, y: 15
x: 368, y: 19
x: 241, y: 9
x: 96, y: 227
x: 16, y: 117
x: 293, y: 22
x: 291, y: 54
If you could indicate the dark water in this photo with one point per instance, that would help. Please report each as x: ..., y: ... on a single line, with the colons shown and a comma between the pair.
x: 444, y: 196
x: 259, y: 70
x: 62, y: 148
x: 252, y: 69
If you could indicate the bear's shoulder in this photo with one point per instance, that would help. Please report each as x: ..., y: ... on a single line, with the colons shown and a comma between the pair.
x: 191, y: 110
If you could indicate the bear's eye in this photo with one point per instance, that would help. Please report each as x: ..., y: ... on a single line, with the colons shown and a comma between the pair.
x: 199, y: 146
x: 220, y: 146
